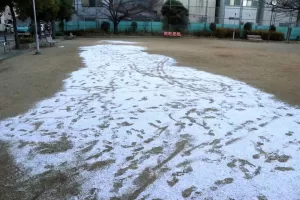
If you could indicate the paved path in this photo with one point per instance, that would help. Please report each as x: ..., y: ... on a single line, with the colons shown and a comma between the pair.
x: 135, y: 125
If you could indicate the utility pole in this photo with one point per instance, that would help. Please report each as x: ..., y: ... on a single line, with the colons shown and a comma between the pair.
x: 36, y: 30
x: 188, y: 15
x: 241, y: 16
x: 206, y: 14
x: 290, y: 27
x: 233, y: 36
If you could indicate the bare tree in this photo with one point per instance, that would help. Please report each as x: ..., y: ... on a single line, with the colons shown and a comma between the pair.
x: 288, y: 7
x: 118, y: 10
x: 285, y: 6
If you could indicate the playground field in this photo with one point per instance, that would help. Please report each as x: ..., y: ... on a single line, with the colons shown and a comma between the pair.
x: 271, y: 67
x: 151, y: 118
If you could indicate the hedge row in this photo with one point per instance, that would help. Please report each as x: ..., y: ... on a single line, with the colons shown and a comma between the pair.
x: 99, y: 32
x: 266, y: 35
x: 26, y: 40
x: 227, y: 33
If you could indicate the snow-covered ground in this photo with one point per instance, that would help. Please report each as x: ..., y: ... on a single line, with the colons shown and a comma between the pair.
x: 136, y: 125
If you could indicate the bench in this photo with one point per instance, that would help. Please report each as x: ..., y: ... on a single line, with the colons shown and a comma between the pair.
x: 256, y: 38
x: 50, y: 41
x: 172, y: 34
x: 70, y: 36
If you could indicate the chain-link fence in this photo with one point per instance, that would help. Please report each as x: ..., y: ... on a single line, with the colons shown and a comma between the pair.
x: 201, y: 13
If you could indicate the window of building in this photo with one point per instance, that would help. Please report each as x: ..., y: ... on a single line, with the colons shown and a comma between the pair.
x: 85, y: 3
x: 246, y: 3
x: 232, y: 2
x: 250, y: 3
x: 90, y: 3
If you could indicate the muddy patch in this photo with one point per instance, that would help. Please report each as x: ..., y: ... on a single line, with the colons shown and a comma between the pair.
x: 187, y: 192
x: 284, y: 169
x: 100, y: 164
x: 61, y: 145
x: 224, y: 181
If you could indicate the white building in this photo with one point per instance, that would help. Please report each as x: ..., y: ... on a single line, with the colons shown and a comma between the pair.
x: 91, y: 10
x: 219, y: 11
x: 5, y: 16
x: 229, y: 12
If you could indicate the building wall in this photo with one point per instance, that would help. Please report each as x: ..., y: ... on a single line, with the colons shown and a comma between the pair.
x: 281, y: 19
x: 199, y: 10
x: 93, y: 12
x: 6, y: 16
x: 219, y: 11
x: 251, y: 14
x: 232, y: 14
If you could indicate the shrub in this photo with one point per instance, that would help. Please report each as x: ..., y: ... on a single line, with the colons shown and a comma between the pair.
x: 276, y: 36
x: 213, y: 26
x: 206, y: 33
x: 221, y: 32
x: 134, y: 26
x: 59, y: 34
x: 26, y: 40
x: 158, y: 33
x: 202, y: 33
x: 127, y: 31
x: 76, y: 32
x: 227, y: 33
x: 248, y: 26
x: 265, y: 35
x: 105, y: 26
x: 230, y: 33
x: 272, y: 28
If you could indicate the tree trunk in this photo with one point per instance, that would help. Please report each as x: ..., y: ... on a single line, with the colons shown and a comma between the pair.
x: 62, y: 26
x: 53, y: 29
x: 11, y: 7
x: 115, y: 27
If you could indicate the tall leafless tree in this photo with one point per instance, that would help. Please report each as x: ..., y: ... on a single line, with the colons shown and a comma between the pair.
x: 118, y: 10
x: 289, y: 5
x: 285, y: 6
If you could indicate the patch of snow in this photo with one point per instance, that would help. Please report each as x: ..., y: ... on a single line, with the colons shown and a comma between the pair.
x: 118, y: 42
x: 136, y: 125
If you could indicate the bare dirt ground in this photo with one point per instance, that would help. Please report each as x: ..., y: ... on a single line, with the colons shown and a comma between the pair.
x: 27, y: 79
x: 271, y: 67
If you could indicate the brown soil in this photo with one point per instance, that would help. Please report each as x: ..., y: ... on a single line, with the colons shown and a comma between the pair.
x: 271, y: 67
x: 28, y: 78
x: 9, y: 175
x: 25, y: 80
